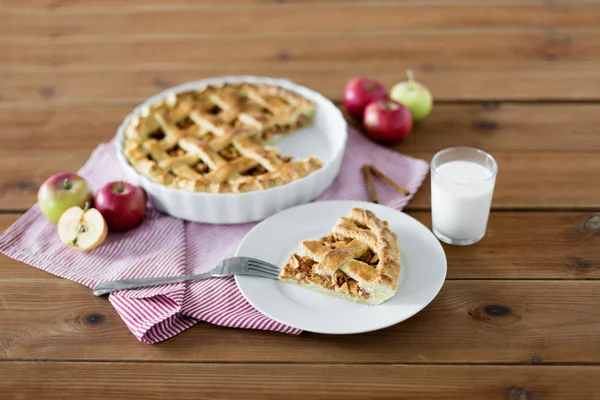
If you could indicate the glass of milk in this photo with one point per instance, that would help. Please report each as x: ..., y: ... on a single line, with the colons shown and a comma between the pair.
x: 462, y: 184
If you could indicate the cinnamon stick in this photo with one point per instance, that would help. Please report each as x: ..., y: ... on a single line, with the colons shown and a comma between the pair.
x: 390, y: 181
x: 369, y: 183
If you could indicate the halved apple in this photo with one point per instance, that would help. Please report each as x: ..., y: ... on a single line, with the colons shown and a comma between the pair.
x: 82, y: 229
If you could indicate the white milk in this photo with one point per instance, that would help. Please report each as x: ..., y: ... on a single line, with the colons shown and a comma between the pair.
x: 461, y: 196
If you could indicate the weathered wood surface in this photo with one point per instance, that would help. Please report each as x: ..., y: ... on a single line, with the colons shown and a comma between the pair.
x: 518, y: 78
x: 65, y: 51
x: 44, y: 317
x: 464, y: 324
x: 28, y: 87
x: 169, y: 18
x: 268, y: 381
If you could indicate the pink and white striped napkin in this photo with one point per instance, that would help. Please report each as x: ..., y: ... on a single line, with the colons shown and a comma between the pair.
x: 164, y: 246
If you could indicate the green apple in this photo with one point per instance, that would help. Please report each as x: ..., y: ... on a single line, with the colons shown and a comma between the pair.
x: 61, y: 192
x: 413, y: 95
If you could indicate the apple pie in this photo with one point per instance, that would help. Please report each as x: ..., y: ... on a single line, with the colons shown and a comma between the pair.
x: 358, y: 261
x: 218, y: 139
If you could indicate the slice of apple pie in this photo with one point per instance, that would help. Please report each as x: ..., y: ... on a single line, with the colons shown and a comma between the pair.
x: 358, y: 261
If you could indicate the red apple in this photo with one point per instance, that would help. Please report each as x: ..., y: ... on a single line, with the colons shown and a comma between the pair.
x: 387, y: 121
x: 61, y: 192
x: 361, y: 91
x: 122, y: 205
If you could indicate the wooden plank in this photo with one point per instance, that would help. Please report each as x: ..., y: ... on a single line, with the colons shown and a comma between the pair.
x: 536, y: 180
x: 324, y: 18
x: 27, y: 380
x: 19, y: 186
x: 86, y: 5
x: 534, y: 321
x: 72, y: 85
x: 557, y: 245
x: 99, y: 5
x: 60, y: 128
x: 418, y: 47
x: 494, y: 127
x: 525, y: 180
x: 507, y: 127
x: 518, y: 245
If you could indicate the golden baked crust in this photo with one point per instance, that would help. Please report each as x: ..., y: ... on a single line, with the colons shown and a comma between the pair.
x: 359, y: 260
x: 216, y: 139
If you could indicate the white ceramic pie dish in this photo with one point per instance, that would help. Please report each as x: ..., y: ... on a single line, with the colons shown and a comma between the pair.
x: 326, y: 139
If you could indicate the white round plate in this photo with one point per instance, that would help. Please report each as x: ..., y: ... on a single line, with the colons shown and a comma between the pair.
x: 422, y: 275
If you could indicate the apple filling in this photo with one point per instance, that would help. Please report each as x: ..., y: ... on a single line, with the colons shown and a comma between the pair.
x: 230, y: 153
x: 176, y: 152
x: 258, y: 170
x: 300, y: 268
x: 278, y: 129
x: 185, y: 123
x: 157, y: 134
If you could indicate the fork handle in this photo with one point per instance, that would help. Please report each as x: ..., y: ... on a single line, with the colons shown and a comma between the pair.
x: 113, y: 286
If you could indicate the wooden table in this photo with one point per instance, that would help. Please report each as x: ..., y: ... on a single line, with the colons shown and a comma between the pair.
x: 517, y: 319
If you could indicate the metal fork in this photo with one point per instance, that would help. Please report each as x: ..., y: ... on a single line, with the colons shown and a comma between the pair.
x: 227, y: 267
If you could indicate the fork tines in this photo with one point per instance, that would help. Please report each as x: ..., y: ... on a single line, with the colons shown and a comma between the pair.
x: 259, y: 267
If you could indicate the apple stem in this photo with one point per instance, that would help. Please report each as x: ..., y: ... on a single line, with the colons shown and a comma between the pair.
x: 67, y: 184
x: 369, y: 85
x: 120, y: 187
x: 411, y: 77
x: 86, y: 206
x: 388, y: 105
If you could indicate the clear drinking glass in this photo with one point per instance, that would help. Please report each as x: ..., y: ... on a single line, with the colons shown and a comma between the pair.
x: 462, y: 184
